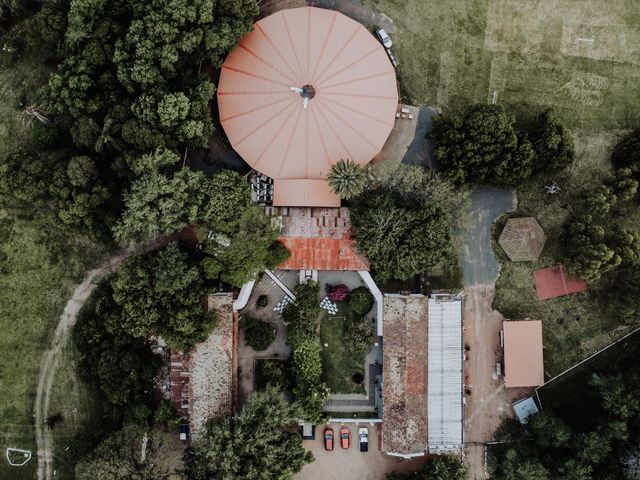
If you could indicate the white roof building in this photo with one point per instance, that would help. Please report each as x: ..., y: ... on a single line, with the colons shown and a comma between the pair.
x: 445, y: 376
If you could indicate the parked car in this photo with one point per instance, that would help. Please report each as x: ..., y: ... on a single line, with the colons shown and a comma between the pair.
x: 363, y: 434
x: 184, y: 432
x: 345, y: 437
x: 384, y: 38
x: 328, y: 439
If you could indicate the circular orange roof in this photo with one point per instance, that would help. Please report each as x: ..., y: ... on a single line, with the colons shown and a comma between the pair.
x: 306, y: 88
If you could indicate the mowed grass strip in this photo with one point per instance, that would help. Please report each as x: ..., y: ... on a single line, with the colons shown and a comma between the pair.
x: 339, y: 364
x: 35, y: 284
x: 532, y: 54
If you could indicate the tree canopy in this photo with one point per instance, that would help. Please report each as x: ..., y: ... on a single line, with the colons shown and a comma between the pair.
x: 401, y: 239
x: 626, y: 153
x: 259, y: 442
x: 484, y: 146
x: 121, y: 365
x: 346, y: 179
x: 161, y: 293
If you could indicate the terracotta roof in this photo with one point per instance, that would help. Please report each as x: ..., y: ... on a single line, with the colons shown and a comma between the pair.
x: 350, y: 115
x: 322, y: 254
x: 523, y: 358
x: 303, y: 193
x: 404, y: 374
x: 553, y: 282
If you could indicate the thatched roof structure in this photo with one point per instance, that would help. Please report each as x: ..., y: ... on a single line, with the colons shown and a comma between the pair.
x: 522, y: 239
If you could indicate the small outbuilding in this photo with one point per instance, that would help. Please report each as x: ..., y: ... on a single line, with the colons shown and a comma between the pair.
x: 522, y: 239
x: 523, y: 357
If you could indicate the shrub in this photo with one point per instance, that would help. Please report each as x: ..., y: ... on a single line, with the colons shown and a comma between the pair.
x: 302, y: 317
x: 346, y: 179
x: 337, y: 293
x: 359, y: 335
x: 271, y: 373
x: 361, y: 301
x: 258, y: 334
x: 262, y: 301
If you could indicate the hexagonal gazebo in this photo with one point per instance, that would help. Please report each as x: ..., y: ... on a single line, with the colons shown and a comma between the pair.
x: 522, y: 239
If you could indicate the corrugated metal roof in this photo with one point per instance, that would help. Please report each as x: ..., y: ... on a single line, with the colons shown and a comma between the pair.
x: 445, y: 377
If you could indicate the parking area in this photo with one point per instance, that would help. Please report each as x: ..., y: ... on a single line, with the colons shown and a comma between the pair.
x: 351, y: 464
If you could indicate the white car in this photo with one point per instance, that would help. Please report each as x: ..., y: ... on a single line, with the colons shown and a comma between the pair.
x: 363, y: 435
x: 384, y: 38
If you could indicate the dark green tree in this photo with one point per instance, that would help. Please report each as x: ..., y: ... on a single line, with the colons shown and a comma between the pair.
x: 160, y: 293
x: 346, y: 179
x: 482, y: 147
x: 259, y: 442
x: 626, y: 153
x: 258, y: 334
x: 400, y: 239
x: 122, y: 366
x: 552, y: 143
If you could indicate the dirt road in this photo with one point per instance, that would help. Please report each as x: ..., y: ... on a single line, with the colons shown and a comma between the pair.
x: 51, y: 356
x: 487, y: 402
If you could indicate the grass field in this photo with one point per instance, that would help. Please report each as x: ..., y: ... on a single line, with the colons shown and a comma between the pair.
x: 532, y: 53
x: 338, y: 363
x: 575, y: 326
x: 35, y: 284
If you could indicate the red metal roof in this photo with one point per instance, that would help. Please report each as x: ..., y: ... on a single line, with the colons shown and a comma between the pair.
x: 322, y: 254
x: 350, y: 115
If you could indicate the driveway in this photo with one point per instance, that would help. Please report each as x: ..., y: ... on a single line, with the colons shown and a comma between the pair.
x: 351, y: 8
x: 479, y: 264
x: 352, y: 464
x: 487, y: 401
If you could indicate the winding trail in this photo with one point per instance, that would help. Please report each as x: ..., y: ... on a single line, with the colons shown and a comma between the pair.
x: 51, y: 356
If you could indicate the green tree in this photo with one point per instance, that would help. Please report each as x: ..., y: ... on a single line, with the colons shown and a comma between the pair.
x: 482, y: 147
x: 625, y: 186
x: 588, y: 254
x: 258, y: 334
x: 122, y: 366
x: 552, y: 143
x: 440, y: 468
x: 360, y: 301
x: 250, y: 249
x: 160, y: 293
x: 118, y: 457
x: 346, y: 179
x: 400, y: 239
x: 626, y: 153
x: 259, y: 442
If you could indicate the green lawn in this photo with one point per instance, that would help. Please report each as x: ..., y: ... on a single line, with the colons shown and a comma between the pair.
x: 453, y: 54
x: 36, y: 280
x: 338, y: 363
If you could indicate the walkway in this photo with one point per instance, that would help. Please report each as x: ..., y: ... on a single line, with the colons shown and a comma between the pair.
x: 51, y: 356
x: 487, y: 403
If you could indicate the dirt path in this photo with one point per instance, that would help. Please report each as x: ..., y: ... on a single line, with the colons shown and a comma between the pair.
x: 51, y: 356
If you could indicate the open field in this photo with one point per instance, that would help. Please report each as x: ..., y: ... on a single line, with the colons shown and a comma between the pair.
x: 532, y: 53
x: 34, y: 285
x: 575, y: 326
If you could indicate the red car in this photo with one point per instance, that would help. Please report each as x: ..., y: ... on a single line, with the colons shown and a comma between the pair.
x: 345, y: 437
x: 328, y: 438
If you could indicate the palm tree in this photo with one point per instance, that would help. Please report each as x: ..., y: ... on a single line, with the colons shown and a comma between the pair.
x: 346, y: 179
